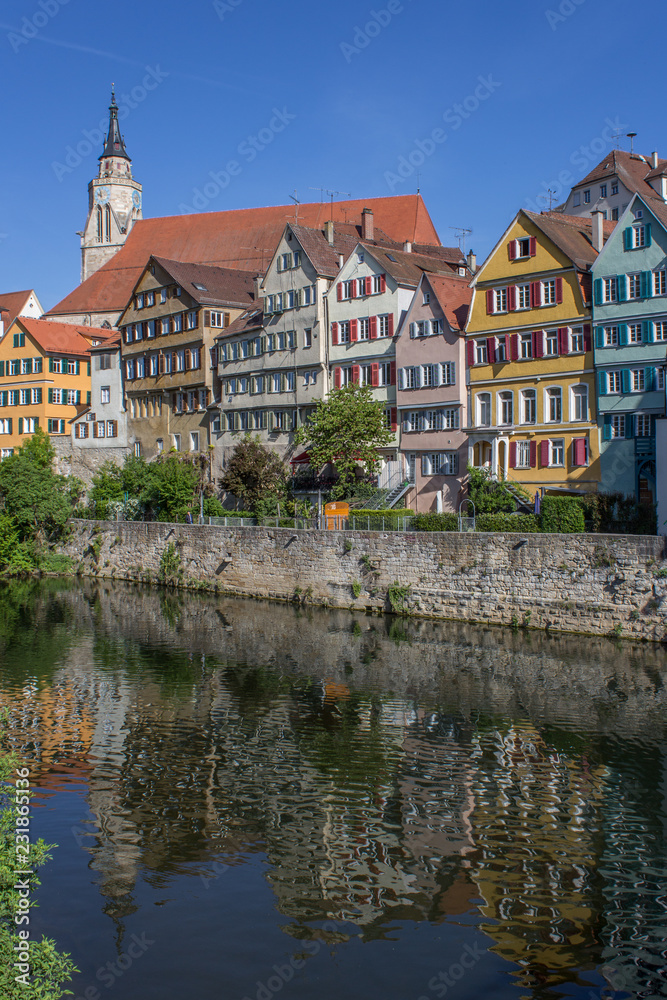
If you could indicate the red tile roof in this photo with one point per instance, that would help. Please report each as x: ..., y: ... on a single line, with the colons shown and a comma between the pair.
x: 247, y: 322
x: 407, y: 268
x: 222, y: 285
x: 454, y: 296
x: 62, y: 338
x: 632, y: 170
x: 11, y: 304
x: 572, y: 234
x: 244, y: 238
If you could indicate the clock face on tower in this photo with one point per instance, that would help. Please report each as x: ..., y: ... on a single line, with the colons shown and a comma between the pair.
x: 136, y: 199
x: 102, y: 195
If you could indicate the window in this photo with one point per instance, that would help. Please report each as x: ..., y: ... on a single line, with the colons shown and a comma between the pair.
x: 613, y: 382
x: 28, y: 425
x: 554, y: 405
x: 137, y: 449
x: 150, y: 298
x: 26, y: 366
x: 57, y: 396
x: 638, y: 380
x: 141, y: 367
x: 442, y: 463
x: 276, y: 382
x: 576, y: 200
x: 219, y: 319
x: 500, y: 300
x: 384, y: 373
x: 528, y: 414
x: 344, y: 333
x: 557, y: 452
x: 112, y: 429
x: 523, y: 296
x: 24, y: 397
x: 194, y: 440
x: 617, y: 425
x: 348, y: 289
x: 526, y: 346
x: 377, y: 283
x: 501, y: 349
x: 523, y: 454
x: 81, y: 430
x: 72, y: 397
x: 603, y: 190
x: 56, y: 426
x: 72, y: 367
x: 587, y: 197
x: 36, y: 396
x: 178, y: 323
x: 614, y: 215
x: 609, y: 290
x: 634, y: 333
x: 191, y: 320
x: 308, y: 337
x: 383, y: 326
x: 36, y: 366
x: 284, y: 261
x: 634, y: 286
x: 577, y: 340
x: 614, y: 187
x: 551, y: 342
x: 481, y: 353
x: 660, y: 330
x: 549, y: 292
x: 483, y: 409
x: 643, y: 425
x: 154, y: 364
x: 505, y: 408
x: 159, y: 446
x: 610, y: 336
x: 140, y: 300
x: 523, y: 247
x: 163, y: 295
x: 426, y: 298
x: 637, y: 237
x: 660, y: 282
x: 579, y: 402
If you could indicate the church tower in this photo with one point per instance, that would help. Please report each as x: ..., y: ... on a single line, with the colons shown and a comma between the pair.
x: 114, y: 201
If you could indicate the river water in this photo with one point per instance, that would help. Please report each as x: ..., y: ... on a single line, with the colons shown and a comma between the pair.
x: 254, y: 800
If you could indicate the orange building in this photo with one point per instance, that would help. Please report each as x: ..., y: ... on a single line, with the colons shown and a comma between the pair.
x: 44, y: 377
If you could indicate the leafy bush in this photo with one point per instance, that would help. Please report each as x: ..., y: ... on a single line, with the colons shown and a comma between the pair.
x: 436, y: 522
x: 613, y: 513
x: 394, y: 512
x: 562, y: 514
x: 508, y: 522
x: 488, y: 494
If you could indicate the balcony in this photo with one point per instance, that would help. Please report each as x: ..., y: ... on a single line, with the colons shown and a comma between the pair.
x: 645, y: 447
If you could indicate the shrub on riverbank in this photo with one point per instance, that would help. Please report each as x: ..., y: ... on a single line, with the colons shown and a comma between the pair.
x: 562, y: 514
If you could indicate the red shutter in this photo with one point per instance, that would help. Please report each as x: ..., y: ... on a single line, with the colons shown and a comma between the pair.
x: 391, y: 324
x: 533, y: 246
x: 491, y: 350
x: 383, y: 283
x: 562, y: 340
x: 369, y: 285
x: 354, y: 330
x: 537, y: 344
x: 489, y: 301
x: 559, y: 290
x: 587, y: 337
x: 511, y: 298
x: 337, y: 377
x: 511, y: 250
x: 512, y: 454
x: 339, y: 290
x: 373, y: 325
x: 544, y: 454
x: 471, y: 353
x: 579, y: 451
x: 375, y: 374
x: 514, y: 346
x: 394, y: 424
x: 536, y: 293
x: 533, y: 454
x: 353, y: 289
x: 392, y: 373
x: 334, y: 333
x: 356, y: 372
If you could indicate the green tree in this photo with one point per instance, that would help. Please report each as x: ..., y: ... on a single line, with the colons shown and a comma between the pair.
x: 254, y: 474
x: 488, y: 494
x: 347, y: 430
x: 38, y: 500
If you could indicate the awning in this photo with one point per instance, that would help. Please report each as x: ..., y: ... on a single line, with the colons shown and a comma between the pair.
x: 302, y: 459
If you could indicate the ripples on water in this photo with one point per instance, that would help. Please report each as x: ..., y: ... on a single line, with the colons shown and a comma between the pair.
x: 389, y: 778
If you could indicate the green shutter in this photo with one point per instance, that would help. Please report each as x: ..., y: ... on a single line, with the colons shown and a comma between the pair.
x: 599, y: 336
x: 647, y: 284
x: 11, y: 422
x: 39, y: 395
x: 606, y: 430
x: 50, y: 364
x: 16, y: 344
x: 647, y: 331
x: 78, y: 396
x: 602, y: 383
x: 88, y: 367
x: 623, y: 335
x: 647, y: 234
x: 78, y: 368
x: 88, y: 399
x: 597, y: 291
x: 625, y: 380
x: 2, y: 369
x: 629, y: 425
x: 20, y: 424
x: 621, y: 287
x: 649, y: 379
x: 627, y: 238
x: 50, y: 396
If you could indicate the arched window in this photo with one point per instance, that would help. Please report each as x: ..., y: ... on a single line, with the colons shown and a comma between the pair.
x: 107, y: 224
x: 579, y: 403
x: 505, y: 408
x: 99, y: 224
x: 483, y: 409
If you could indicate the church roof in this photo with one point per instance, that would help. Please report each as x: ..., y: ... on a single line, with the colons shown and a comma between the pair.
x: 241, y: 238
x: 114, y: 144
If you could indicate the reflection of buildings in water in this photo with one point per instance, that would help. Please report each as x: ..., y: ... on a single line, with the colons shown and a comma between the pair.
x: 537, y: 823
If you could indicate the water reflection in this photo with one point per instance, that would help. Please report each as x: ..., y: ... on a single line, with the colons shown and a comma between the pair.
x: 391, y: 773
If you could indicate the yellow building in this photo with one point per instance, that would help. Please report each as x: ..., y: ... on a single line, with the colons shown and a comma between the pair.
x: 530, y: 358
x: 44, y: 377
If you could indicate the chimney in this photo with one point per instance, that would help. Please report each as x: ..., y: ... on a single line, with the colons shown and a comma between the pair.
x: 597, y: 233
x: 407, y: 246
x: 472, y: 261
x: 654, y: 159
x: 257, y: 281
x: 367, y: 224
x: 329, y: 231
x: 341, y: 260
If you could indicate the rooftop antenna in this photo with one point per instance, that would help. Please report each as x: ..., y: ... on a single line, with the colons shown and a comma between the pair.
x: 617, y: 137
x: 631, y: 136
x: 324, y: 191
x: 461, y: 237
x: 551, y: 192
x: 296, y: 205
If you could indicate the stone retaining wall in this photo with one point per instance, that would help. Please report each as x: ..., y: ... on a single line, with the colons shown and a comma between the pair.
x: 597, y: 584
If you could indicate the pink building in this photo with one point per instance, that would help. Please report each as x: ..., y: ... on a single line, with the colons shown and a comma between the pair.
x: 431, y: 394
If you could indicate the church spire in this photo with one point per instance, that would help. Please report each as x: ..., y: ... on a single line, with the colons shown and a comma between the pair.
x: 114, y: 144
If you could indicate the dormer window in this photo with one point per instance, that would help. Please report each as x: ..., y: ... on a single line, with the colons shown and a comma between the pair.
x: 587, y: 197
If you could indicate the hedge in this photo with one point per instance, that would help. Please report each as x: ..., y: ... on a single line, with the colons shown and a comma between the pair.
x: 436, y: 522
x: 562, y: 514
x: 508, y: 522
x: 393, y: 512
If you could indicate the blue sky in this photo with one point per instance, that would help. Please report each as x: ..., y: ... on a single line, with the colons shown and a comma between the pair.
x: 335, y: 94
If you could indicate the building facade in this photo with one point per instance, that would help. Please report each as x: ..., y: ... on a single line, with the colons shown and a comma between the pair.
x: 102, y: 425
x: 630, y: 324
x: 532, y: 408
x: 45, y: 378
x: 431, y: 393
x: 611, y: 184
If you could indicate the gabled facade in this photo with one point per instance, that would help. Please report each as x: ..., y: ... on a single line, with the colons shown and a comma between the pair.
x: 630, y: 329
x: 13, y: 304
x: 167, y: 335
x: 530, y: 358
x: 610, y: 186
x: 103, y: 423
x: 44, y: 378
x: 431, y: 393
